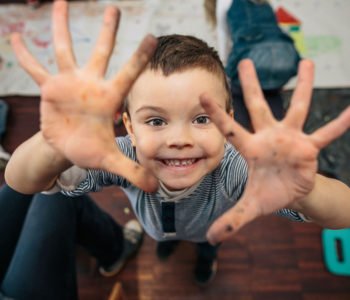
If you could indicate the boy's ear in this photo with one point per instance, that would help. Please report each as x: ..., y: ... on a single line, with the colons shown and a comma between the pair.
x: 128, y: 127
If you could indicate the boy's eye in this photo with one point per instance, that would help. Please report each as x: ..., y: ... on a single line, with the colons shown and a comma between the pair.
x: 155, y: 122
x: 202, y: 120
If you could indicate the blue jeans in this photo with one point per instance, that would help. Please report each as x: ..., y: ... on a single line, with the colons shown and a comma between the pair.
x: 273, y: 98
x: 256, y: 35
x: 3, y: 117
x: 38, y: 235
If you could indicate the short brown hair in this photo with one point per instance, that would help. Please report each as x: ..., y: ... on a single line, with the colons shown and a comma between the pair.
x: 177, y: 53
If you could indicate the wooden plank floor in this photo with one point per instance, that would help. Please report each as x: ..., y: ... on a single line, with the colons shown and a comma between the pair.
x: 272, y: 258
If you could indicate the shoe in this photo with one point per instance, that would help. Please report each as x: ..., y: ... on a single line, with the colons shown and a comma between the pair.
x: 133, y: 236
x: 165, y: 249
x: 205, y: 270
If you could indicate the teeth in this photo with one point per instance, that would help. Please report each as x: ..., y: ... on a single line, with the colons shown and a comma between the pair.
x: 179, y: 162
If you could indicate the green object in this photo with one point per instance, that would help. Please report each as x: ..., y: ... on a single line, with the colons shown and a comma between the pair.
x: 336, y: 249
x: 294, y: 28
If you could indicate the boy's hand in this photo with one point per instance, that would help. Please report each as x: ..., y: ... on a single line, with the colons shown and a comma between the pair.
x: 282, y: 159
x: 78, y: 105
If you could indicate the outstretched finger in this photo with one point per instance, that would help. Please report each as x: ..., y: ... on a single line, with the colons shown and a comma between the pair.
x: 301, y: 98
x: 61, y: 36
x: 119, y: 164
x: 328, y: 133
x: 100, y: 57
x: 230, y: 129
x: 259, y: 111
x: 125, y: 78
x: 27, y: 60
x: 230, y: 222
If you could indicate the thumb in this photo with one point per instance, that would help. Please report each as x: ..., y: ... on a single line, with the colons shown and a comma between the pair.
x: 230, y: 222
x: 132, y: 171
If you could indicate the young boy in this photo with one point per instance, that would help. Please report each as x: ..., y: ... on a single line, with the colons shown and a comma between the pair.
x: 179, y: 119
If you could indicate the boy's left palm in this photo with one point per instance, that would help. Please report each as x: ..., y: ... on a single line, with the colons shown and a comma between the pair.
x: 282, y: 160
x: 78, y: 104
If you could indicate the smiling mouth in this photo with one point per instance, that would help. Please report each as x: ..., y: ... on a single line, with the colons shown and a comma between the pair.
x: 179, y: 162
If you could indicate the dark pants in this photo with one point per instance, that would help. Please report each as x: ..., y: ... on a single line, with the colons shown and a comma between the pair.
x: 256, y: 35
x: 205, y: 251
x: 3, y: 117
x: 38, y: 235
x: 273, y: 97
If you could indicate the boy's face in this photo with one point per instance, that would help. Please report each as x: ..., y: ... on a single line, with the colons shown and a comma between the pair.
x: 172, y: 133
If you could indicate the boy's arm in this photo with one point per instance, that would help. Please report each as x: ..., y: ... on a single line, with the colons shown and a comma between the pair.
x: 328, y: 204
x: 34, y: 166
x: 281, y: 158
x: 78, y: 107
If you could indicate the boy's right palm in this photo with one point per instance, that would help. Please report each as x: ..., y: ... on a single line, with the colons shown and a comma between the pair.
x: 78, y: 105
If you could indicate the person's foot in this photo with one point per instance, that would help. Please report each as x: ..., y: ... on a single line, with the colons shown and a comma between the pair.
x: 133, y: 236
x: 205, y: 270
x: 165, y: 249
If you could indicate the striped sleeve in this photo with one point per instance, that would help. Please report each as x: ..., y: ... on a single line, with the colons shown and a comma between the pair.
x: 292, y: 215
x: 234, y: 173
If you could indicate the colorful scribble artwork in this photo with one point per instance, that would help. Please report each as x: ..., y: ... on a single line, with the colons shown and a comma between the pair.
x: 139, y: 17
x: 292, y: 26
x: 319, y: 28
x: 312, y: 45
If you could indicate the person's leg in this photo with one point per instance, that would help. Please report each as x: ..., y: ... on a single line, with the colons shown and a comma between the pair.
x: 98, y: 233
x: 43, y: 264
x: 3, y: 117
x: 275, y: 101
x: 257, y: 36
x: 240, y: 112
x: 54, y: 224
x: 13, y: 209
x: 273, y: 98
x: 166, y: 248
x: 4, y: 156
x: 206, y: 264
x: 111, y: 244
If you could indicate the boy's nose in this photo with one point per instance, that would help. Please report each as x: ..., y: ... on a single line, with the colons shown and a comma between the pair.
x: 180, y: 138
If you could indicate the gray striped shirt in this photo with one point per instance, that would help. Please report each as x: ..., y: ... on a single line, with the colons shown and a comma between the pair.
x: 195, y: 208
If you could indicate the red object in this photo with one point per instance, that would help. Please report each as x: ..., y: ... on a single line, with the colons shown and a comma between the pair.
x: 283, y: 16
